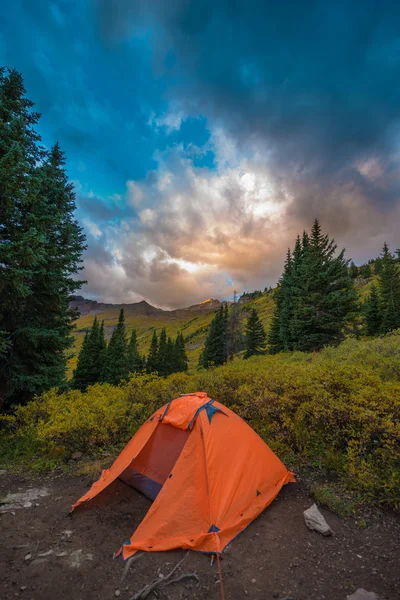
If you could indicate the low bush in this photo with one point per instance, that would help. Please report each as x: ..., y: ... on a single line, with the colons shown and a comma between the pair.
x: 336, y: 411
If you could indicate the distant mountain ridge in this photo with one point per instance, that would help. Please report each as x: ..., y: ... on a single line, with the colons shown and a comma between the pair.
x: 86, y: 306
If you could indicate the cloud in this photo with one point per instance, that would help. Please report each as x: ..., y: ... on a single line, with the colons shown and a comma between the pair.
x: 212, y: 132
x: 316, y: 86
x: 171, y: 120
x: 202, y: 233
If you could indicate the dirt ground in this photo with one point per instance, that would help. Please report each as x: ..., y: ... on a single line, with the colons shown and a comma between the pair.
x: 46, y: 555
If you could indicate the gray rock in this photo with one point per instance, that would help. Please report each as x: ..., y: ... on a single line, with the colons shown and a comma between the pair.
x: 315, y: 521
x: 76, y: 455
x: 362, y: 594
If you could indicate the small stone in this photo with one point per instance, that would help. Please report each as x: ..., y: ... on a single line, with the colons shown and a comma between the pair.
x: 362, y: 594
x: 27, y: 505
x: 23, y: 587
x: 13, y: 513
x: 60, y: 554
x: 117, y: 593
x: 43, y: 554
x: 253, y: 580
x: 66, y: 535
x: 28, y: 556
x: 76, y: 455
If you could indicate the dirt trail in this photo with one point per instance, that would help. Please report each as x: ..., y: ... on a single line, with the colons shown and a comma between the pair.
x: 274, y: 558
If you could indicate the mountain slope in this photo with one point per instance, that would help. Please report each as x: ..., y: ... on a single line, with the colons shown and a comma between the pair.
x: 193, y: 321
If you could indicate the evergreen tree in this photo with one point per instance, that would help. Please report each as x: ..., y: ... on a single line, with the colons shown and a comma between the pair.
x: 172, y: 357
x: 315, y: 297
x: 286, y: 298
x: 365, y: 271
x: 214, y: 352
x: 378, y: 266
x: 233, y: 335
x: 40, y: 251
x: 79, y: 379
x: 102, y: 348
x: 275, y: 344
x: 116, y: 363
x: 372, y: 313
x: 91, y: 358
x: 180, y: 353
x: 93, y: 349
x: 152, y: 359
x: 389, y: 291
x: 255, y: 335
x: 163, y: 359
x: 135, y: 364
x: 326, y: 301
x: 280, y: 333
x: 353, y: 270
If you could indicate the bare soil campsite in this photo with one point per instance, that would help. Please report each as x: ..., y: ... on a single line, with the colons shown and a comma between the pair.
x: 46, y: 554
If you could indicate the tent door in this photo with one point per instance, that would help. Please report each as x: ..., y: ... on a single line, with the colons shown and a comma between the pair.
x: 151, y: 467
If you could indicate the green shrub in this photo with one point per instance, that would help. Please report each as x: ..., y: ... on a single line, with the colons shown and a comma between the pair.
x: 337, y: 411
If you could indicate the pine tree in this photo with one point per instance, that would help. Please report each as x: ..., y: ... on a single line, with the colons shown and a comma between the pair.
x: 275, y: 344
x: 315, y: 298
x: 79, y: 379
x: 365, y: 271
x: 163, y: 360
x: 40, y: 251
x: 214, y: 352
x: 102, y: 348
x: 134, y: 359
x: 280, y: 333
x: 180, y: 353
x: 353, y: 270
x: 116, y: 363
x: 152, y: 359
x: 378, y: 266
x: 91, y: 358
x: 286, y: 298
x: 172, y: 357
x: 326, y: 301
x: 389, y: 291
x: 373, y: 319
x: 233, y: 335
x: 255, y: 335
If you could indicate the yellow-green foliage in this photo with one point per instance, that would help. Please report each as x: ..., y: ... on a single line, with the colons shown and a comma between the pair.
x: 191, y: 324
x: 337, y: 411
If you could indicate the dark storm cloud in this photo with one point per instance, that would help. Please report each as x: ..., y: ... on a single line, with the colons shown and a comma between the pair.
x: 318, y: 83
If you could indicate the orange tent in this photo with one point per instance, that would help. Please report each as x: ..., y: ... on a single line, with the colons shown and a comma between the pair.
x: 207, y: 471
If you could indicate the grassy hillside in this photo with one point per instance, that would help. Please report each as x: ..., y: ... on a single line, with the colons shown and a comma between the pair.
x: 193, y: 326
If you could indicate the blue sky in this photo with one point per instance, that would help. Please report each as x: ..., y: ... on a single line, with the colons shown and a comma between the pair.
x: 203, y: 136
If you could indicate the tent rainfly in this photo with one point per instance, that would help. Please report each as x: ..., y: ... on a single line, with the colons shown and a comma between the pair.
x: 207, y: 471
